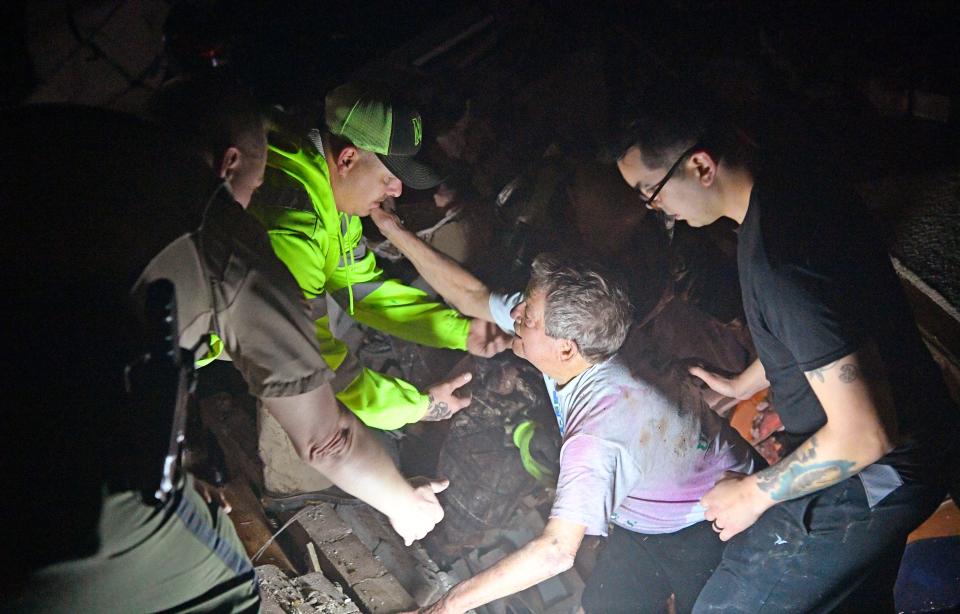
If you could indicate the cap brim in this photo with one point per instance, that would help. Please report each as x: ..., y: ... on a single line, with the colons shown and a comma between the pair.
x: 413, y: 174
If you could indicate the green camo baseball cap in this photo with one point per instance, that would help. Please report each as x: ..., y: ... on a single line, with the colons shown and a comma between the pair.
x: 371, y: 119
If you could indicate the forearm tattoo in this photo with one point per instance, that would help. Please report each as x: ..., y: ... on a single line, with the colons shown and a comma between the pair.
x: 848, y: 373
x: 436, y: 410
x: 798, y: 474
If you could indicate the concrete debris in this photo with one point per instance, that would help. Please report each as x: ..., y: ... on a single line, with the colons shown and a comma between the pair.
x: 411, y: 566
x: 346, y: 559
x: 312, y: 593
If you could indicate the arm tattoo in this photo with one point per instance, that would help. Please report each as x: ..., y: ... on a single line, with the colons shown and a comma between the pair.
x: 849, y: 373
x: 796, y: 475
x: 436, y: 410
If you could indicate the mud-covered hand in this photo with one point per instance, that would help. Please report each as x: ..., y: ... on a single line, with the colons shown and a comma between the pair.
x: 486, y: 339
x: 734, y: 504
x: 412, y: 519
x: 443, y: 403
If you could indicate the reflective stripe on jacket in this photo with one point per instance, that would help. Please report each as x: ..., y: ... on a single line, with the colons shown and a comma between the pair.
x: 326, y: 253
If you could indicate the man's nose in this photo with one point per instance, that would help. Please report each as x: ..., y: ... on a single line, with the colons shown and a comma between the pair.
x: 394, y: 188
x: 516, y: 311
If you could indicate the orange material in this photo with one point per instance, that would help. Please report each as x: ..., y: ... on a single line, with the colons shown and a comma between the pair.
x: 945, y: 522
x: 744, y: 413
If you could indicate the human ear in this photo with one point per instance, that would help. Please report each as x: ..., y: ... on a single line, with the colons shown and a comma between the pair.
x: 705, y: 167
x: 230, y: 162
x: 567, y: 349
x: 347, y: 159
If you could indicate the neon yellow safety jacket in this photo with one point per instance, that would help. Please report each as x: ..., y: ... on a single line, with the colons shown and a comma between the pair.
x: 325, y: 251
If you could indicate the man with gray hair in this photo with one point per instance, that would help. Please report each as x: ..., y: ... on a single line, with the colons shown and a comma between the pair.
x: 639, y: 446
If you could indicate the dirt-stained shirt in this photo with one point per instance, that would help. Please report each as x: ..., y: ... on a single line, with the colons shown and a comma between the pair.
x: 640, y: 447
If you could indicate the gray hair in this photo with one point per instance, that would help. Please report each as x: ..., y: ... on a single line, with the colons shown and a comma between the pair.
x: 582, y: 304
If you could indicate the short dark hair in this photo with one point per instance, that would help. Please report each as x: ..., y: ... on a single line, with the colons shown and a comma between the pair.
x: 337, y: 144
x: 212, y: 110
x: 671, y: 116
x: 583, y: 303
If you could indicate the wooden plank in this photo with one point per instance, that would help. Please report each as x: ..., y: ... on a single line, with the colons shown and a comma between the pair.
x: 236, y: 431
x: 253, y: 528
x: 236, y: 434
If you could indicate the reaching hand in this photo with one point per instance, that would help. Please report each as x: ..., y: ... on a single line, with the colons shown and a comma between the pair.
x: 719, y: 384
x: 387, y: 222
x: 486, y: 339
x: 443, y: 402
x: 417, y: 517
x: 734, y: 504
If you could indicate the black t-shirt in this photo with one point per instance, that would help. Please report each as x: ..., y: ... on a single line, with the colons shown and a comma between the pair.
x: 817, y: 285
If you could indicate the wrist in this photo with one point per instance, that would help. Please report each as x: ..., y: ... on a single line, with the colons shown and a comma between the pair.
x: 396, y: 233
x: 426, y: 402
x: 447, y: 604
x: 403, y: 501
x: 759, y: 499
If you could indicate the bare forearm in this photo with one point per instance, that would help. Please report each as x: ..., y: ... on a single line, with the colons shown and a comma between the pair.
x: 853, y: 437
x: 457, y: 286
x: 335, y: 443
x: 828, y: 457
x: 366, y: 471
x: 534, y: 563
x: 752, y: 380
x: 820, y: 462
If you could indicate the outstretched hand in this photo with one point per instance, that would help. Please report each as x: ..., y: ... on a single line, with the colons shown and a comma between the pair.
x: 733, y: 504
x: 443, y: 402
x: 486, y: 339
x: 415, y: 518
x: 387, y: 222
x: 721, y: 385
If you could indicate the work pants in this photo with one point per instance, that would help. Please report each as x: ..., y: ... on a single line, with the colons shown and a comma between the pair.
x: 183, y: 556
x: 638, y: 572
x: 824, y: 552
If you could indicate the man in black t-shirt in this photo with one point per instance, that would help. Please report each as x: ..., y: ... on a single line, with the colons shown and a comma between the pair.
x: 871, y: 424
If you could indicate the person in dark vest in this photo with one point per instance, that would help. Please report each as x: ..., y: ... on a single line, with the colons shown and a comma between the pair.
x: 103, y: 208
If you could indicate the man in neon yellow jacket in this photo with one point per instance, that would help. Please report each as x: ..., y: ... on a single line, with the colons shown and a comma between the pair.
x: 316, y: 190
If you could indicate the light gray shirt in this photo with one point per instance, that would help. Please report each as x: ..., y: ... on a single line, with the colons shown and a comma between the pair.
x: 638, y: 451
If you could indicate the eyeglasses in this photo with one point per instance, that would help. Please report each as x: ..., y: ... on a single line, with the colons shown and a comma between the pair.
x: 648, y: 202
